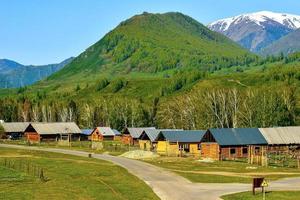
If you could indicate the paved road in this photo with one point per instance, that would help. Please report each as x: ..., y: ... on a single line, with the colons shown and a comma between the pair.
x: 168, y: 185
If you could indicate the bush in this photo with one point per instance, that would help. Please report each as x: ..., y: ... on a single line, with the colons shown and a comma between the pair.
x: 102, y: 84
x: 77, y: 88
x: 118, y: 85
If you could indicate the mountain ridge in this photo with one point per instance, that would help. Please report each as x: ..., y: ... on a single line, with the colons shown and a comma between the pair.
x: 156, y: 42
x: 286, y: 45
x: 14, y: 74
x: 255, y: 31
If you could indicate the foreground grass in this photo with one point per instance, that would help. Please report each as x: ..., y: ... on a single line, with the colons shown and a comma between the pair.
x: 69, y: 177
x: 282, y: 195
x: 221, y: 171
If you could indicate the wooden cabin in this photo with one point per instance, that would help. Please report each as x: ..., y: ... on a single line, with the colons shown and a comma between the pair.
x: 37, y: 132
x: 131, y: 135
x: 179, y: 143
x: 14, y: 130
x: 282, y: 139
x: 102, y: 133
x: 148, y: 139
x: 232, y: 143
x: 118, y: 135
x: 86, y: 134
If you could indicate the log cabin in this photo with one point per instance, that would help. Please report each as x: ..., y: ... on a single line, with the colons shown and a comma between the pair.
x: 14, y: 130
x: 37, y: 132
x: 102, y: 133
x: 180, y: 143
x: 148, y: 138
x: 118, y: 135
x: 282, y: 139
x: 131, y: 135
x: 232, y: 143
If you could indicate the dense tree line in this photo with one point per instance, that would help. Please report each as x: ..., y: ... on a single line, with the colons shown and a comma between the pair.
x: 199, y: 109
x: 225, y: 108
x: 115, y: 112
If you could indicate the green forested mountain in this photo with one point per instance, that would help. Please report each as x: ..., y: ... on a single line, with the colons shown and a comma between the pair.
x: 154, y: 43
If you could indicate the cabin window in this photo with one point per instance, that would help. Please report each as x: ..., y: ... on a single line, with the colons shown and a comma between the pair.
x: 232, y: 151
x: 184, y: 147
x: 257, y: 150
x: 199, y: 146
x: 245, y: 150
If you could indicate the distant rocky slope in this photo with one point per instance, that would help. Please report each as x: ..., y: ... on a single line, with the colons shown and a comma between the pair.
x: 256, y: 31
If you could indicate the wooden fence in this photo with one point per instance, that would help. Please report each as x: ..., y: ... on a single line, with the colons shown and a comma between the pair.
x: 25, y: 167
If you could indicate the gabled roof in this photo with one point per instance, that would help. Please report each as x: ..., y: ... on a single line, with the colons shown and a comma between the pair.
x: 152, y: 134
x: 116, y: 132
x: 106, y: 131
x: 87, y: 131
x: 237, y: 136
x: 281, y: 135
x: 136, y: 132
x: 182, y: 136
x: 15, y: 127
x: 55, y: 128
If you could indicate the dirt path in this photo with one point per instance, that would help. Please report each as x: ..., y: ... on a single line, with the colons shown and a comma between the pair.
x: 168, y: 185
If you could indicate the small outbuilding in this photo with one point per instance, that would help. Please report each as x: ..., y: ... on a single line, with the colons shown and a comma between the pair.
x: 131, y: 135
x: 102, y: 133
x: 86, y: 134
x: 232, y: 143
x: 14, y: 130
x: 179, y: 143
x: 118, y: 135
x: 36, y: 132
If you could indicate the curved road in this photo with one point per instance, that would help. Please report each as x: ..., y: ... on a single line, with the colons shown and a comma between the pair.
x: 168, y: 185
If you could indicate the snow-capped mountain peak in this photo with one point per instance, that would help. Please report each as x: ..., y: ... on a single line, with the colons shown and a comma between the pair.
x: 287, y: 20
x: 255, y: 31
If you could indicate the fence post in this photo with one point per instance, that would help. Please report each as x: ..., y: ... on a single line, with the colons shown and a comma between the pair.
x: 42, y: 178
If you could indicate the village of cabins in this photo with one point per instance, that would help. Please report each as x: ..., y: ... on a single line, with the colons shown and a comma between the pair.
x: 214, y: 143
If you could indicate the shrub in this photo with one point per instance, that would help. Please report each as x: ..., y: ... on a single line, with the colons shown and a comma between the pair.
x: 102, y: 84
x: 118, y: 85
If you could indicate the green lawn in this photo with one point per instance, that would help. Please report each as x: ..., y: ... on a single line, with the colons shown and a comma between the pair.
x: 69, y: 177
x: 221, y: 171
x: 286, y: 195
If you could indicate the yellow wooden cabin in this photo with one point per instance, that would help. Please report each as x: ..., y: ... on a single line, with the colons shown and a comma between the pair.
x: 179, y: 143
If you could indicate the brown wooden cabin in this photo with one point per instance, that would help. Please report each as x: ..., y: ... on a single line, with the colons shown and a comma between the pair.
x: 131, y: 135
x: 37, y: 132
x: 231, y: 143
x: 102, y: 133
x: 14, y: 130
x: 282, y: 139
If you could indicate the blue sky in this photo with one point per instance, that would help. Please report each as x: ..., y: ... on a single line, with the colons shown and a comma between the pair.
x: 48, y: 31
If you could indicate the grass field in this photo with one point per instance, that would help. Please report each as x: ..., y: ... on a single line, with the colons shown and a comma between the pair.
x: 69, y: 177
x: 221, y: 172
x: 286, y: 195
x: 110, y: 147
